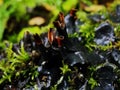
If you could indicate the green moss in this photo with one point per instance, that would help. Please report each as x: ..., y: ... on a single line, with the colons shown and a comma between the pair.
x: 32, y: 30
x: 8, y: 66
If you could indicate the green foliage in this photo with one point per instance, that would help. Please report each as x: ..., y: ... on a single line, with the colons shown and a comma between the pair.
x: 87, y: 29
x: 92, y: 82
x: 68, y: 4
x: 54, y: 87
x: 117, y: 30
x: 22, y: 56
x: 117, y: 45
x: 65, y: 68
x: 4, y: 16
x: 32, y: 30
x: 16, y: 65
x: 5, y: 66
x: 57, y: 6
x: 58, y: 82
x: 73, y: 35
x: 19, y: 64
x: 82, y: 16
x: 18, y: 7
x: 88, y: 2
x: 109, y: 46
x: 94, y: 68
x: 103, y: 47
x: 13, y: 61
x: 56, y: 3
x: 61, y: 5
x: 33, y: 72
x: 104, y: 12
x: 87, y: 32
x: 113, y: 5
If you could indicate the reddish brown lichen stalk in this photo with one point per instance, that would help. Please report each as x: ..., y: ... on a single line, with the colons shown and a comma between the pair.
x: 61, y: 20
x: 73, y: 13
x: 51, y: 35
x: 59, y: 40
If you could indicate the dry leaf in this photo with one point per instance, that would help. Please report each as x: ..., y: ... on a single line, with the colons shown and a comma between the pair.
x: 36, y: 21
x: 94, y: 8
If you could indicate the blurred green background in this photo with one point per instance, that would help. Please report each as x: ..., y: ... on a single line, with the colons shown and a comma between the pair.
x: 36, y: 16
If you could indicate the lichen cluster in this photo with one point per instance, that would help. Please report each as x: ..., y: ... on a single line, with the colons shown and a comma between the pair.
x: 74, y: 55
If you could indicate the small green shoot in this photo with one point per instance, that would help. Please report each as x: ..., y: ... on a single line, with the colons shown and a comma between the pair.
x: 65, y: 68
x: 92, y: 82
